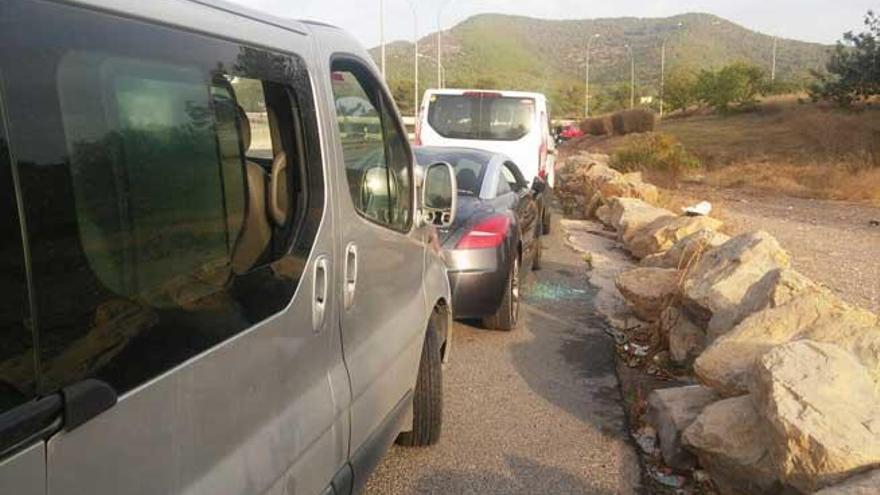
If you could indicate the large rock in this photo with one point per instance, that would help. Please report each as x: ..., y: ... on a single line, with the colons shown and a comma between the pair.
x: 817, y: 315
x: 670, y: 411
x: 630, y: 214
x: 723, y: 276
x: 629, y: 186
x: 686, y: 339
x: 584, y: 159
x: 663, y: 233
x: 687, y: 251
x: 823, y: 409
x: 731, y: 441
x: 776, y: 288
x: 603, y: 214
x: 863, y: 484
x: 593, y: 204
x: 648, y: 291
x: 596, y: 176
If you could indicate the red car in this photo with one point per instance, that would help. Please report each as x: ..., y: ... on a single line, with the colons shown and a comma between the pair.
x: 571, y: 132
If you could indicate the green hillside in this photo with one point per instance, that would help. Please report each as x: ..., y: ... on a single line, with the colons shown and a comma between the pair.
x: 523, y: 53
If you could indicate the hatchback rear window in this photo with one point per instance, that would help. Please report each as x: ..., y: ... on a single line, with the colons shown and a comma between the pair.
x: 479, y: 115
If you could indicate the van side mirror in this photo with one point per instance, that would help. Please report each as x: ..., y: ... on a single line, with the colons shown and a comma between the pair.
x: 439, y: 194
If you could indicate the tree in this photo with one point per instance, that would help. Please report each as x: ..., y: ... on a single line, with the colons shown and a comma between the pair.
x: 402, y: 92
x: 568, y: 101
x: 734, y: 86
x: 611, y: 99
x: 680, y: 90
x: 853, y: 73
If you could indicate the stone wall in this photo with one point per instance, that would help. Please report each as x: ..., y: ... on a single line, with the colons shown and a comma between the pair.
x: 789, y: 400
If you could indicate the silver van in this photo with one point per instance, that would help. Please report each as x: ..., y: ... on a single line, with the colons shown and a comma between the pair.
x: 219, y: 270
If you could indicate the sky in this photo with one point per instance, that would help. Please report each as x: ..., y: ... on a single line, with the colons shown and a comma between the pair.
x: 822, y: 21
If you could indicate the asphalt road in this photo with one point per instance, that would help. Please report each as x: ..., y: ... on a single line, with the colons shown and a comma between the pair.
x: 533, y: 411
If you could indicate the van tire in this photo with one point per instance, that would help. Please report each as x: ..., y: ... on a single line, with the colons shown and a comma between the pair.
x: 427, y: 397
x: 546, y: 221
x: 539, y: 253
x: 507, y: 315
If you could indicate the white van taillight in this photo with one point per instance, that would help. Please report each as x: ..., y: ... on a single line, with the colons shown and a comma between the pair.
x: 489, y: 233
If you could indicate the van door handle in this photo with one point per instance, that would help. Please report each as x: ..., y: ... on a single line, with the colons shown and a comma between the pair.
x: 351, y: 274
x: 319, y: 289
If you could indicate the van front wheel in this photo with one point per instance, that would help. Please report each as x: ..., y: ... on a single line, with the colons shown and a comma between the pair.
x: 427, y: 397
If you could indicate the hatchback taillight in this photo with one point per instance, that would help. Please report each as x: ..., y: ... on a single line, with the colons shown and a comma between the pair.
x: 489, y: 233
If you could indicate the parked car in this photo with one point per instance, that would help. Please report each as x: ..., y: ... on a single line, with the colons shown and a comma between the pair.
x: 513, y: 123
x: 570, y: 132
x: 496, y: 233
x: 212, y: 282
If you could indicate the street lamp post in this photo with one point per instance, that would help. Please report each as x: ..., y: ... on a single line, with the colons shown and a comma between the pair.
x: 412, y: 6
x: 632, y: 78
x: 442, y: 69
x: 773, y: 67
x: 440, y: 44
x: 587, y: 78
x: 382, y: 34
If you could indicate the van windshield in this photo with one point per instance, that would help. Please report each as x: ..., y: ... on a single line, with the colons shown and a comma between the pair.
x: 480, y: 115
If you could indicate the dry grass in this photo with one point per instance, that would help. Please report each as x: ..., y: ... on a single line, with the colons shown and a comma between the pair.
x: 838, y: 182
x: 783, y: 131
x: 804, y: 150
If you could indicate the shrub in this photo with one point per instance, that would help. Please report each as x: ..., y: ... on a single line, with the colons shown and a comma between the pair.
x: 660, y: 155
x: 632, y: 121
x: 597, y: 126
x: 735, y: 86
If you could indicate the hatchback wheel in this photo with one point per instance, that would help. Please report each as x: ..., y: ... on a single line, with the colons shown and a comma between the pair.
x: 508, y: 313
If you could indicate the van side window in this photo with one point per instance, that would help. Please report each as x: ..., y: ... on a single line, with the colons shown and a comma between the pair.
x: 378, y: 160
x: 171, y: 186
x: 17, y: 376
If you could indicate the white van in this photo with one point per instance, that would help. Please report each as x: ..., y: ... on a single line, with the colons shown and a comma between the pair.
x: 514, y: 123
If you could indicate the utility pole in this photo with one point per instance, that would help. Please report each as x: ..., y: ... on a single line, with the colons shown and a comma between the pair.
x: 412, y: 6
x: 632, y: 78
x: 662, y: 75
x: 587, y: 78
x: 773, y: 68
x: 663, y: 71
x: 382, y: 34
x: 440, y: 44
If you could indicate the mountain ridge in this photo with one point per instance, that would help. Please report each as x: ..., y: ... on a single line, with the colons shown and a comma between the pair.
x: 547, y: 55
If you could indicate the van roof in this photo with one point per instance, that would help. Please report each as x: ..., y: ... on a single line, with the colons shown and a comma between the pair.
x: 213, y: 17
x: 504, y: 92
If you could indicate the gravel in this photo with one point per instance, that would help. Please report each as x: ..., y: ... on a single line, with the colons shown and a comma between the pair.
x: 536, y: 410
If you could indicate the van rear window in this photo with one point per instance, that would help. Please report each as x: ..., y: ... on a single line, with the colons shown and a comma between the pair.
x: 480, y: 115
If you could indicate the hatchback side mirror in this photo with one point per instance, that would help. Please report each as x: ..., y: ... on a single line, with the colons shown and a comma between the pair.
x: 439, y: 195
x: 538, y: 186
